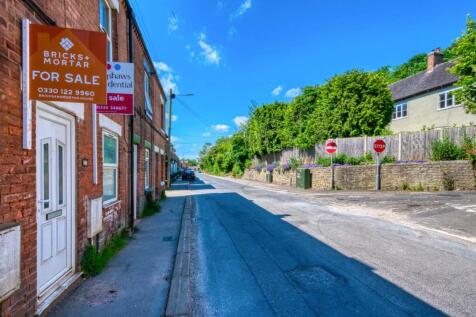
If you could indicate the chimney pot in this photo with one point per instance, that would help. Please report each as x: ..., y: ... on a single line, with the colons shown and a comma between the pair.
x: 434, y: 58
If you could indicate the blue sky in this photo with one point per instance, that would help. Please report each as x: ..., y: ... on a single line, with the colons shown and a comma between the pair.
x: 233, y: 53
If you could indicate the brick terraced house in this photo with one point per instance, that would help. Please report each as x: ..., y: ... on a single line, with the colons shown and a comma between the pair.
x: 86, y: 174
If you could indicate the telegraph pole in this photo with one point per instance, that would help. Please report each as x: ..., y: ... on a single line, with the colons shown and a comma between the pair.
x: 169, y: 143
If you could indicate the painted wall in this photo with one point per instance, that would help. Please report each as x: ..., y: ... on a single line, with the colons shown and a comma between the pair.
x: 423, y: 111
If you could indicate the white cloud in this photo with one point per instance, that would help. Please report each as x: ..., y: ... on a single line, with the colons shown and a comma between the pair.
x: 220, y: 127
x: 209, y: 52
x: 162, y: 67
x: 206, y: 134
x: 173, y: 23
x: 174, y: 117
x: 276, y: 91
x: 168, y: 78
x: 240, y: 121
x: 175, y: 139
x: 244, y: 6
x: 293, y: 92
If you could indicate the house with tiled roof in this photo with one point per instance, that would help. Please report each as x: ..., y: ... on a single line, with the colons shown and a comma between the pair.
x: 427, y: 100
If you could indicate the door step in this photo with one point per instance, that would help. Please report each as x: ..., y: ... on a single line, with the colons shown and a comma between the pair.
x: 64, y: 289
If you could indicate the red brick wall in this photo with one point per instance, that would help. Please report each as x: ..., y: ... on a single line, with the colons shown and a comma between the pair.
x: 17, y: 166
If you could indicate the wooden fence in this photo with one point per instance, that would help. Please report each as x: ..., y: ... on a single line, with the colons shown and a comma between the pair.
x: 404, y: 146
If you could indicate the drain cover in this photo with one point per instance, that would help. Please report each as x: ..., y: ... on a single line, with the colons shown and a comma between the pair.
x: 312, y: 279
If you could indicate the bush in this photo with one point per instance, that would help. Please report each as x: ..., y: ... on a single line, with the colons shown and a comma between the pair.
x: 163, y: 196
x: 448, y: 182
x: 324, y: 161
x: 94, y: 262
x: 236, y: 171
x: 388, y: 159
x: 295, y: 163
x: 445, y: 150
x: 405, y: 186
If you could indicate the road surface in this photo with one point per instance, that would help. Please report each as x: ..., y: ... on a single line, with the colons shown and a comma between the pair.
x: 263, y: 252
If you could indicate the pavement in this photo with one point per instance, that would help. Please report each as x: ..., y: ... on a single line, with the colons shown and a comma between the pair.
x: 136, y: 282
x: 269, y: 251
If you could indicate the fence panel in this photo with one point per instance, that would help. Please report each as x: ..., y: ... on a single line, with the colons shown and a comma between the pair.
x: 407, y: 146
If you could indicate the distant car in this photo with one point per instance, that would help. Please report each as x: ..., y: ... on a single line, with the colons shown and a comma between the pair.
x: 188, y: 175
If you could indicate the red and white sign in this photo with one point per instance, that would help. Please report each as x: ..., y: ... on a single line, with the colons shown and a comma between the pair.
x: 331, y: 146
x: 379, y: 146
x: 120, y: 89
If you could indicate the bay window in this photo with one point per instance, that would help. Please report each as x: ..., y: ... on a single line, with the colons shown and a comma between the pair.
x: 105, y: 25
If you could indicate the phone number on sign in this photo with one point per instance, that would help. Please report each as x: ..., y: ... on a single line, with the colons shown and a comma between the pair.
x: 69, y: 92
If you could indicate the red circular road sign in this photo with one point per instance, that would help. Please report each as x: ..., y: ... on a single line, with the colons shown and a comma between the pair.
x: 331, y: 147
x: 379, y: 146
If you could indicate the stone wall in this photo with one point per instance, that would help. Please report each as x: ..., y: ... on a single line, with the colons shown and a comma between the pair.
x: 429, y: 176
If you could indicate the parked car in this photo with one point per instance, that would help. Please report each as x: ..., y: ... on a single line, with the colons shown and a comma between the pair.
x: 188, y: 175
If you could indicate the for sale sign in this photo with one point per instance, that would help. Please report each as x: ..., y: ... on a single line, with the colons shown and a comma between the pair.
x: 120, y: 89
x: 67, y: 64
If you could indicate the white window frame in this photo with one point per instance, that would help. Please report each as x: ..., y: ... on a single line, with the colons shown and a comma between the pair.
x: 147, y: 169
x: 111, y: 166
x: 398, y: 111
x: 108, y: 34
x: 446, y: 99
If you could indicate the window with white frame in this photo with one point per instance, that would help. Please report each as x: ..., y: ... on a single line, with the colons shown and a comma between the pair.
x: 110, y: 145
x: 147, y: 168
x: 105, y: 24
x: 148, y: 104
x: 447, y: 100
x: 400, y: 111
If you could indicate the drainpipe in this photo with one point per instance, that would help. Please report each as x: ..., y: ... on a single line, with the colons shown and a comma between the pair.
x: 130, y: 59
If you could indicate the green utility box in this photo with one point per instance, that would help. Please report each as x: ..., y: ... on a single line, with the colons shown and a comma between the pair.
x: 303, y: 178
x: 269, y: 178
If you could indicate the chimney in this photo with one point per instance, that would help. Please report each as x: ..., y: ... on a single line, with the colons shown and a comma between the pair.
x: 434, y: 58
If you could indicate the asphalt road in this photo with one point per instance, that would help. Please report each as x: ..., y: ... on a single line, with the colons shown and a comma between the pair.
x: 263, y: 252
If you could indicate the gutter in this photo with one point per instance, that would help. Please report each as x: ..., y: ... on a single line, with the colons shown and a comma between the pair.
x: 131, y: 122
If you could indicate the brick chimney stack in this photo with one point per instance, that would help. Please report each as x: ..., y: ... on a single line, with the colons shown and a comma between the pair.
x: 434, y: 58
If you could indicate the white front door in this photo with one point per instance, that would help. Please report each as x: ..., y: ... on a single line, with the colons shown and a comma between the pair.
x: 54, y: 167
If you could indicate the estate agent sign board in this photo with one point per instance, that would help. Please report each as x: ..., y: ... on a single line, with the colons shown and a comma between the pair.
x: 67, y: 65
x: 120, y: 89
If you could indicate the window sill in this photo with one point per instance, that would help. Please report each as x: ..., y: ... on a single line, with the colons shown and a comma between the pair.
x: 396, y: 119
x: 110, y: 203
x: 448, y: 108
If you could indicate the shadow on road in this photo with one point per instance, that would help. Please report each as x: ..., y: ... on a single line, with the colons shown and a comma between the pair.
x: 197, y: 184
x: 297, y: 274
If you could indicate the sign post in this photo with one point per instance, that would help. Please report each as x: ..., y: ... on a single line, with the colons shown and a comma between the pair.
x: 331, y: 148
x: 120, y: 89
x: 379, y: 147
x: 67, y: 65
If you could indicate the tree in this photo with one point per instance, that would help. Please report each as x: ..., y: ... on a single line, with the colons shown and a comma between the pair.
x: 465, y: 66
x: 297, y: 128
x: 352, y: 104
x: 264, y: 129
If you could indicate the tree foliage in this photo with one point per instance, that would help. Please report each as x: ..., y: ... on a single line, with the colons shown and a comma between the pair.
x: 297, y: 128
x: 465, y: 66
x: 264, y: 131
x: 352, y: 104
